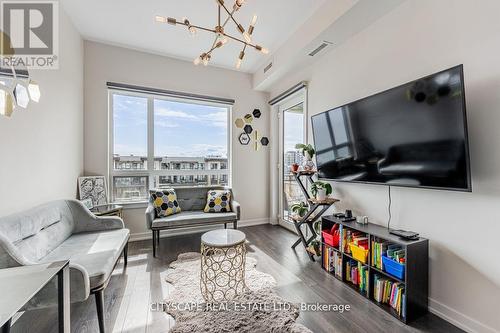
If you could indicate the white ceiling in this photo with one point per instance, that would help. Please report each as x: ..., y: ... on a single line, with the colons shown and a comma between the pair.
x: 130, y: 23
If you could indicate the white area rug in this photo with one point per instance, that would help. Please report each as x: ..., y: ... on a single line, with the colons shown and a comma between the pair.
x: 259, y: 310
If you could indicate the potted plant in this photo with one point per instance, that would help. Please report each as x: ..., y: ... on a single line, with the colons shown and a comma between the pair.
x: 300, y: 209
x: 308, y: 152
x: 315, y: 247
x: 321, y: 190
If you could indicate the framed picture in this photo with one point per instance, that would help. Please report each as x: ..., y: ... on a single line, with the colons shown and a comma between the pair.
x: 88, y: 203
x: 93, y: 188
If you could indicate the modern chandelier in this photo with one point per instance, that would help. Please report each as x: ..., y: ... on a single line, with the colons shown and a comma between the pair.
x: 16, y: 91
x: 221, y: 37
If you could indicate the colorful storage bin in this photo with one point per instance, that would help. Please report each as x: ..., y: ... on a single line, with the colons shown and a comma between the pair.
x: 359, y: 253
x: 329, y: 239
x: 393, y: 268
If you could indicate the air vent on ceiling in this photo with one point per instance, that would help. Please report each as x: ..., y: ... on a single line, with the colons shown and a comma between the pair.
x: 319, y: 48
x: 268, y: 67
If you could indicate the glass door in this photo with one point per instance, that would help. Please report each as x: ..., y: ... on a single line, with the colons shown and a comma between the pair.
x: 292, y: 131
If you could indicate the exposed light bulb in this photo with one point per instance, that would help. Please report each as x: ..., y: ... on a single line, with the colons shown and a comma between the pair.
x: 240, y: 2
x: 247, y: 37
x: 160, y: 19
x: 254, y: 20
x: 240, y: 60
x: 197, y: 61
x: 261, y: 49
x: 192, y: 30
x: 223, y: 39
x: 206, y: 59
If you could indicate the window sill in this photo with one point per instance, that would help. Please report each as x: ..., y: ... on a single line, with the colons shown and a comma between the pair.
x: 132, y: 205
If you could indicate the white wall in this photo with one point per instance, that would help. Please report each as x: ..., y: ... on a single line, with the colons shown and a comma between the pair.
x: 42, y: 147
x: 418, y: 38
x: 108, y: 63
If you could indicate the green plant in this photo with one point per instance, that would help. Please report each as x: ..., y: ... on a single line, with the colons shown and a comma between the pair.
x: 300, y: 209
x: 316, y: 245
x: 321, y: 185
x: 306, y: 148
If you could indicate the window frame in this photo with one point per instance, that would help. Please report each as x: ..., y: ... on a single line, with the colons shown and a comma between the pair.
x: 150, y: 171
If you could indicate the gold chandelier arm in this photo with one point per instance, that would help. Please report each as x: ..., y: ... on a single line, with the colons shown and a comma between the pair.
x: 218, y: 15
x: 215, y: 42
x: 231, y: 15
x: 197, y: 27
x: 227, y: 20
x: 228, y: 36
x: 239, y: 40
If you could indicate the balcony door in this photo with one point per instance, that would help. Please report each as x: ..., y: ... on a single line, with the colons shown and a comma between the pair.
x: 292, y: 127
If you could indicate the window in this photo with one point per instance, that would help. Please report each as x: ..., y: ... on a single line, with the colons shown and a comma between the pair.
x: 159, y: 142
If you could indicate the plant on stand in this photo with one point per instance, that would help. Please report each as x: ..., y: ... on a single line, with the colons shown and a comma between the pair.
x: 315, y: 247
x: 321, y: 190
x: 300, y: 209
x: 308, y: 152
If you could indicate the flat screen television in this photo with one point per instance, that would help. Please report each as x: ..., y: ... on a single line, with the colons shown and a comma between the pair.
x: 413, y: 135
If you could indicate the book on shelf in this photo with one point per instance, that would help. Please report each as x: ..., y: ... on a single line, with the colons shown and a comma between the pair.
x: 390, y: 292
x: 332, y: 260
x: 384, y: 248
x: 357, y: 274
x: 352, y: 236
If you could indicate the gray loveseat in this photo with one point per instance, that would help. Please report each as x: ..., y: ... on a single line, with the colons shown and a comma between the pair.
x: 63, y: 230
x: 192, y: 201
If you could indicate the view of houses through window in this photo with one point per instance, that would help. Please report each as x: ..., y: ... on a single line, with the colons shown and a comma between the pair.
x: 160, y: 143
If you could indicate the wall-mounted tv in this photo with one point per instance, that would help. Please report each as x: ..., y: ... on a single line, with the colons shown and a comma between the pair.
x: 412, y: 135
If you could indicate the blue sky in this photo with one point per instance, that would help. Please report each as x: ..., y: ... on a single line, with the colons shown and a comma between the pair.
x: 293, y: 126
x: 181, y: 129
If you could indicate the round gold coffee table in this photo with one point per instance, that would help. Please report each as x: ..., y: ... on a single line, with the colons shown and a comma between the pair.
x: 223, y: 254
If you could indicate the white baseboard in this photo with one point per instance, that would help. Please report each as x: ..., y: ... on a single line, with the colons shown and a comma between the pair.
x: 186, y: 231
x: 459, y: 319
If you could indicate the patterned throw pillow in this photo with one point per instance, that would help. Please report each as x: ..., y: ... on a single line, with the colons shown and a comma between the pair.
x: 165, y: 202
x: 218, y: 201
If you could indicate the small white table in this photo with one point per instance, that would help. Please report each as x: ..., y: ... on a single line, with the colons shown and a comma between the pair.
x: 223, y: 254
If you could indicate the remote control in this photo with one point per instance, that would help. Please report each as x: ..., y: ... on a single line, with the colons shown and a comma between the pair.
x: 404, y: 234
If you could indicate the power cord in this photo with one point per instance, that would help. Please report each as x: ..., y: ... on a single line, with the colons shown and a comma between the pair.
x: 389, y: 209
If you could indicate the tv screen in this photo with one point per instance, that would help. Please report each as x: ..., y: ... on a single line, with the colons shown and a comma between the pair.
x: 411, y: 135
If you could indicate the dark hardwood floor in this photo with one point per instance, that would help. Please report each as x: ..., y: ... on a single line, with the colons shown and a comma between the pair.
x: 131, y: 291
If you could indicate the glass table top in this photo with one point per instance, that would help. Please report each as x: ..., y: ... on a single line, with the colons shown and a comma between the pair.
x: 19, y: 284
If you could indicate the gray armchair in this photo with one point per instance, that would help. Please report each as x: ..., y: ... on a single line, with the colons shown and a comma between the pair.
x: 192, y: 201
x: 66, y: 230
